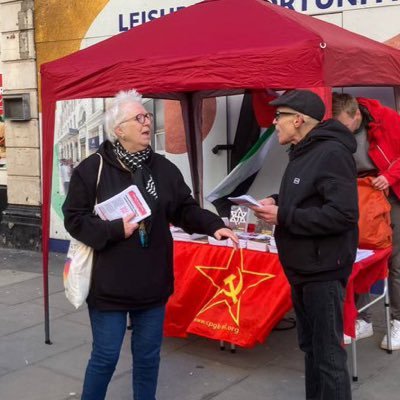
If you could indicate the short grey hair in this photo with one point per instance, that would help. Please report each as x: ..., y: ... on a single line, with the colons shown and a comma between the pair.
x: 115, y: 114
x: 344, y: 102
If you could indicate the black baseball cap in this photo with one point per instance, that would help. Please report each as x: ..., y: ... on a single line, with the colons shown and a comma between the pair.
x: 303, y: 101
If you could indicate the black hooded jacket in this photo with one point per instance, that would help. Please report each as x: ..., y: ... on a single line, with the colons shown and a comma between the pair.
x: 126, y: 275
x: 317, y: 233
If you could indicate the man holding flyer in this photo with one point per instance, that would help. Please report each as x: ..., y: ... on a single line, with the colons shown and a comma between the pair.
x: 316, y: 234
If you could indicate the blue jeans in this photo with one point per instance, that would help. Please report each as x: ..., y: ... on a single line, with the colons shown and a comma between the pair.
x: 108, y: 330
x: 319, y: 315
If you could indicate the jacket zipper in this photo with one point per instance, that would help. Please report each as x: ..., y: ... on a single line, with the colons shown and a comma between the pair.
x: 384, y: 155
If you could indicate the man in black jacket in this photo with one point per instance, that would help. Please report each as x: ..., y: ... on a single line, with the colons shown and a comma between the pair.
x: 316, y: 215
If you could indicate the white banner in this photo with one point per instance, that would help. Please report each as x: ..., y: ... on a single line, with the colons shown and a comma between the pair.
x: 314, y: 7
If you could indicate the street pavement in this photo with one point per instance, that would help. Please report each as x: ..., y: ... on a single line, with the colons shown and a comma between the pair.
x: 191, y: 369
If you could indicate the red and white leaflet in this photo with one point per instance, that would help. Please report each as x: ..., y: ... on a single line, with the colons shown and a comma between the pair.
x: 128, y: 201
x: 137, y: 202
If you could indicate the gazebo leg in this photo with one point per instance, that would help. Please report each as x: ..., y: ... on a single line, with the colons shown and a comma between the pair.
x: 387, y: 315
x: 354, y: 359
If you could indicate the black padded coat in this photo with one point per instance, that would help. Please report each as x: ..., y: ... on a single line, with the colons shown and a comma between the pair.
x: 317, y: 233
x: 126, y: 275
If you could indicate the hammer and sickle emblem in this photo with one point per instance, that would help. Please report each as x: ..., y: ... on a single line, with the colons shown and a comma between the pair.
x: 233, y: 291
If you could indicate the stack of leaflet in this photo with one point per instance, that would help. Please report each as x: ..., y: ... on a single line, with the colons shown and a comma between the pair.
x: 182, y: 236
x: 226, y: 242
x: 215, y: 242
x: 242, y: 243
x: 257, y: 245
x: 272, y: 245
x: 258, y: 242
x: 128, y: 202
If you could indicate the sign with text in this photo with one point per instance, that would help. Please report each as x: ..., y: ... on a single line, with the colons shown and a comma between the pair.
x: 315, y: 7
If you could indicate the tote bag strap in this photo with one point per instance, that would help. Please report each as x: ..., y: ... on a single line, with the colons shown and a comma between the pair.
x: 99, y: 174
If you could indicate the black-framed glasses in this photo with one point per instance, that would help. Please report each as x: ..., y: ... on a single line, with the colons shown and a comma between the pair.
x: 279, y: 113
x: 141, y: 118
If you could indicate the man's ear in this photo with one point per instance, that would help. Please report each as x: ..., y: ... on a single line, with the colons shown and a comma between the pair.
x: 298, y: 120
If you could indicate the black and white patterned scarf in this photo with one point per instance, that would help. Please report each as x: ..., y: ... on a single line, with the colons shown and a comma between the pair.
x: 135, y: 162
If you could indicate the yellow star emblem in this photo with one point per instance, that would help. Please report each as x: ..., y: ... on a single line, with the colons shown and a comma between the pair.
x: 232, y: 282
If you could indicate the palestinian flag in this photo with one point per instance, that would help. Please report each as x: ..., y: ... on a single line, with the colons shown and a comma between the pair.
x: 245, y: 168
x: 248, y: 166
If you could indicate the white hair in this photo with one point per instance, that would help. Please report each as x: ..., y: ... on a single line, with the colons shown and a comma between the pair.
x: 115, y: 113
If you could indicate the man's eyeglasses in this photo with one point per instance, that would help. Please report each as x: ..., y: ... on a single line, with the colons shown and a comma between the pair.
x: 279, y: 113
x: 141, y: 118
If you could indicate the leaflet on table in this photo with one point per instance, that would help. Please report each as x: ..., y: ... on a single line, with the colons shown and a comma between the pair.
x: 128, y: 201
x: 180, y: 235
x: 245, y: 200
x: 252, y: 235
x: 257, y: 245
x: 226, y: 242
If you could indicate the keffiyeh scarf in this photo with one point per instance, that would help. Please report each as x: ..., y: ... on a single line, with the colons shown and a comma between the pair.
x: 135, y: 162
x: 143, y: 179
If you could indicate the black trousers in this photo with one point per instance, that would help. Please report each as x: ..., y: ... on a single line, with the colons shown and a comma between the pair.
x: 319, y: 313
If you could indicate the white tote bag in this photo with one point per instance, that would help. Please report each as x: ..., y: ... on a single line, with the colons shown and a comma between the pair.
x: 78, y: 266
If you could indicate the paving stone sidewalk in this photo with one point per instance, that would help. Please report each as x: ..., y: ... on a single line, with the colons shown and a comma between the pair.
x: 191, y: 369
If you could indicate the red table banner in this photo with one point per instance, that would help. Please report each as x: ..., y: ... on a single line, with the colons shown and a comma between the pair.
x: 240, y: 296
x: 220, y: 293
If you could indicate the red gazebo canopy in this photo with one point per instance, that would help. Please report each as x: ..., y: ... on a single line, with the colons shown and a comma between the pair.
x: 217, y: 46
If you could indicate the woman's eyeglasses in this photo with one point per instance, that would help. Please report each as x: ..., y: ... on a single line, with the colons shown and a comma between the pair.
x: 278, y: 114
x: 141, y: 118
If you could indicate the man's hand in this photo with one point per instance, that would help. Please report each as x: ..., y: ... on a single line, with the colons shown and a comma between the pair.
x: 380, y: 183
x: 268, y: 201
x: 129, y: 227
x: 268, y: 213
x: 227, y: 233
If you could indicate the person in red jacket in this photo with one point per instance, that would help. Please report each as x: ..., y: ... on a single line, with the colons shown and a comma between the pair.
x: 377, y: 131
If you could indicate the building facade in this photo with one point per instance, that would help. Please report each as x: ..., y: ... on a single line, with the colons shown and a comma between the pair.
x: 20, y: 218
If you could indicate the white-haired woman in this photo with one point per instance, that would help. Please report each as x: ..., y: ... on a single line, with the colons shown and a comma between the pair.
x: 133, y: 264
